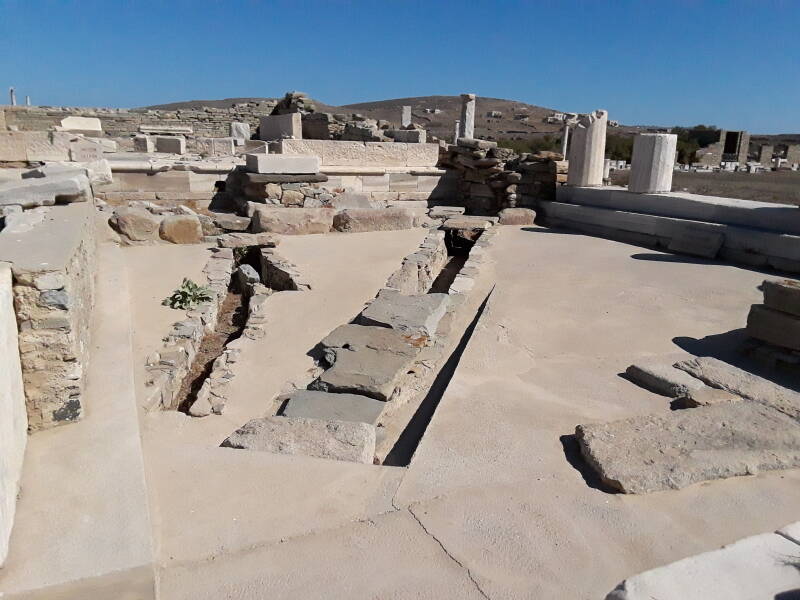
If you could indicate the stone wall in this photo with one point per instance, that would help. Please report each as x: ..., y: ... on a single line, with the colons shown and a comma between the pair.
x: 53, y: 263
x: 333, y: 153
x: 13, y: 420
x: 207, y: 121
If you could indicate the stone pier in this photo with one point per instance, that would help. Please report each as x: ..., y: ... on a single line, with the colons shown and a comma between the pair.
x: 587, y: 151
x: 564, y: 140
x: 405, y: 117
x: 652, y: 163
x: 467, y: 129
x: 457, y: 131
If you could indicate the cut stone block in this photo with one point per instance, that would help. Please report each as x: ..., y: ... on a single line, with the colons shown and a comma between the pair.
x: 276, y: 127
x: 517, y: 216
x: 696, y: 242
x: 410, y: 136
x: 311, y: 404
x: 774, y: 327
x: 181, y: 229
x: 137, y: 224
x: 782, y: 295
x: 82, y: 124
x: 657, y: 452
x: 243, y: 240
x: 373, y: 219
x: 350, y: 200
x: 760, y: 566
x: 416, y: 316
x: 337, y: 440
x: 708, y: 395
x: 292, y: 221
x: 721, y: 375
x: 282, y: 164
x: 211, y: 146
x: 652, y: 162
x: 468, y: 222
x: 46, y: 191
x: 351, y: 337
x: 171, y: 144
x: 438, y: 212
x: 240, y: 132
x: 663, y: 379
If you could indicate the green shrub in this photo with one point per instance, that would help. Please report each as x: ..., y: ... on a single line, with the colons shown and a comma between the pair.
x: 188, y: 295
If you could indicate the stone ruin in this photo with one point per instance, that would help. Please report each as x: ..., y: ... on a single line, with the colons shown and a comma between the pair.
x: 83, y: 193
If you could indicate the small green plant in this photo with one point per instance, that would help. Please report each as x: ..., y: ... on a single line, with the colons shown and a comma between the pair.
x: 188, y: 295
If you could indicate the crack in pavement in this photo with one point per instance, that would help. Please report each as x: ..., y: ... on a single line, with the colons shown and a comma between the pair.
x: 453, y: 558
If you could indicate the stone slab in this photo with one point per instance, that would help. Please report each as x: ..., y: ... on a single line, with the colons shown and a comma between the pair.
x: 773, y: 326
x: 355, y: 220
x: 276, y: 127
x: 171, y: 144
x: 438, y: 212
x: 336, y: 440
x: 417, y: 316
x: 663, y: 379
x: 82, y: 124
x: 264, y: 178
x: 760, y: 566
x: 312, y: 404
x: 467, y: 222
x: 281, y: 164
x: 719, y: 374
x: 657, y: 452
x: 64, y: 187
x: 292, y: 221
x: 517, y: 216
x: 783, y: 295
x: 696, y: 242
x: 352, y: 337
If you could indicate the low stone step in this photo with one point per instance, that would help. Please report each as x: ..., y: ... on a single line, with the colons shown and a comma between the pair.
x: 311, y: 404
x: 417, y: 316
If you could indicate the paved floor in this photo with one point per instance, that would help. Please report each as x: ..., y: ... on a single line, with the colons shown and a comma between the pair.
x: 491, y: 505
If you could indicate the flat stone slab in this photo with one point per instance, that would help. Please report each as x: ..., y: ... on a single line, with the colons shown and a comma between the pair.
x: 467, y: 222
x: 356, y: 220
x: 696, y: 242
x: 718, y: 374
x: 416, y: 316
x: 312, y: 404
x: 517, y: 216
x: 782, y: 295
x: 663, y: 379
x: 256, y: 178
x: 761, y: 566
x: 774, y: 327
x: 337, y: 440
x: 281, y: 164
x: 46, y: 191
x: 292, y: 221
x: 658, y: 452
x: 439, y: 212
x: 243, y: 240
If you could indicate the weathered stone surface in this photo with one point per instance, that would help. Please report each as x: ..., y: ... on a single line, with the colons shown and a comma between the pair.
x: 438, y: 212
x: 181, y: 229
x: 696, y: 242
x: 349, y: 200
x: 280, y: 274
x: 263, y: 178
x: 416, y: 316
x: 517, y: 216
x: 337, y: 440
x: 663, y: 379
x: 652, y: 162
x: 231, y: 222
x: 352, y: 337
x: 63, y: 187
x: 373, y: 219
x: 656, y: 452
x: 773, y: 326
x: 82, y: 124
x: 782, y: 295
x: 246, y: 276
x: 282, y: 164
x: 240, y: 132
x: 212, y: 146
x: 754, y: 567
x: 312, y: 404
x: 242, y: 240
x: 276, y: 127
x: 721, y: 375
x: 467, y: 222
x: 292, y: 221
x: 136, y: 224
x: 707, y: 395
x: 171, y: 144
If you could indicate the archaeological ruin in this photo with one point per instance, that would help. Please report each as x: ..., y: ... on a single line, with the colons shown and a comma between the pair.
x: 271, y: 351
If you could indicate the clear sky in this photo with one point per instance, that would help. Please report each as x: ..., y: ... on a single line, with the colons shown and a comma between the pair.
x: 733, y: 64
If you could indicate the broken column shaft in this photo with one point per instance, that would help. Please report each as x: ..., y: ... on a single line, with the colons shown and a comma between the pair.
x: 587, y: 150
x: 467, y: 129
x: 652, y: 163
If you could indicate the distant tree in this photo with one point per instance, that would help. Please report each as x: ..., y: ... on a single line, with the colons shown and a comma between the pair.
x: 531, y: 145
x: 619, y: 147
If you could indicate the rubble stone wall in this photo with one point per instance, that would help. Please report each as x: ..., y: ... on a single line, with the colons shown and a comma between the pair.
x: 207, y: 121
x: 53, y: 297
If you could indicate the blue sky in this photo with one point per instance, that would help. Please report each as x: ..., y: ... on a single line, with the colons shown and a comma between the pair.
x: 733, y: 64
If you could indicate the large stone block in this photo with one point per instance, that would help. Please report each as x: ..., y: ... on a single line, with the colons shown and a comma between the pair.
x: 312, y: 404
x: 137, y: 224
x: 344, y: 153
x: 663, y: 379
x: 517, y: 216
x: 337, y: 440
x: 181, y: 229
x: 276, y: 127
x: 355, y: 220
x: 92, y: 124
x: 171, y: 143
x: 211, y: 146
x: 773, y: 326
x: 415, y: 316
x: 240, y: 132
x: 696, y: 242
x: 292, y: 221
x: 422, y: 155
x: 282, y: 164
x: 14, y: 421
x: 410, y: 136
x: 652, y: 163
x: 657, y: 452
x: 385, y: 154
x: 782, y: 295
x: 63, y: 187
x: 143, y: 143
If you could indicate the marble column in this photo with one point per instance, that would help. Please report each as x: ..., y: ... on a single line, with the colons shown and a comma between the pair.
x: 13, y: 96
x: 405, y: 117
x: 467, y: 116
x: 587, y: 150
x: 457, y: 131
x: 564, y: 140
x: 653, y: 163
x: 27, y: 100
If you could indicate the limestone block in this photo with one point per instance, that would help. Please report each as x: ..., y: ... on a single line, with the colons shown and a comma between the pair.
x: 171, y: 144
x: 439, y: 212
x: 417, y: 316
x: 385, y: 154
x: 68, y: 187
x: 337, y: 440
x: 652, y: 162
x: 782, y: 295
x: 14, y: 423
x: 754, y: 567
x: 82, y: 124
x: 469, y: 222
x: 309, y: 147
x: 410, y: 136
x: 276, y: 127
x: 375, y: 183
x: 137, y: 224
x: 517, y: 216
x: 587, y: 150
x: 181, y: 229
x: 402, y: 182
x: 292, y: 221
x: 282, y: 164
x: 13, y: 147
x: 211, y: 146
x: 422, y: 155
x: 696, y: 242
x: 663, y: 379
x: 344, y: 153
x: 351, y: 200
x: 774, y: 327
x: 41, y: 146
x: 143, y: 143
x: 312, y: 404
x: 240, y: 132
x: 351, y: 338
x: 354, y: 220
x: 98, y: 172
x: 231, y: 222
x: 243, y: 240
x: 85, y: 150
